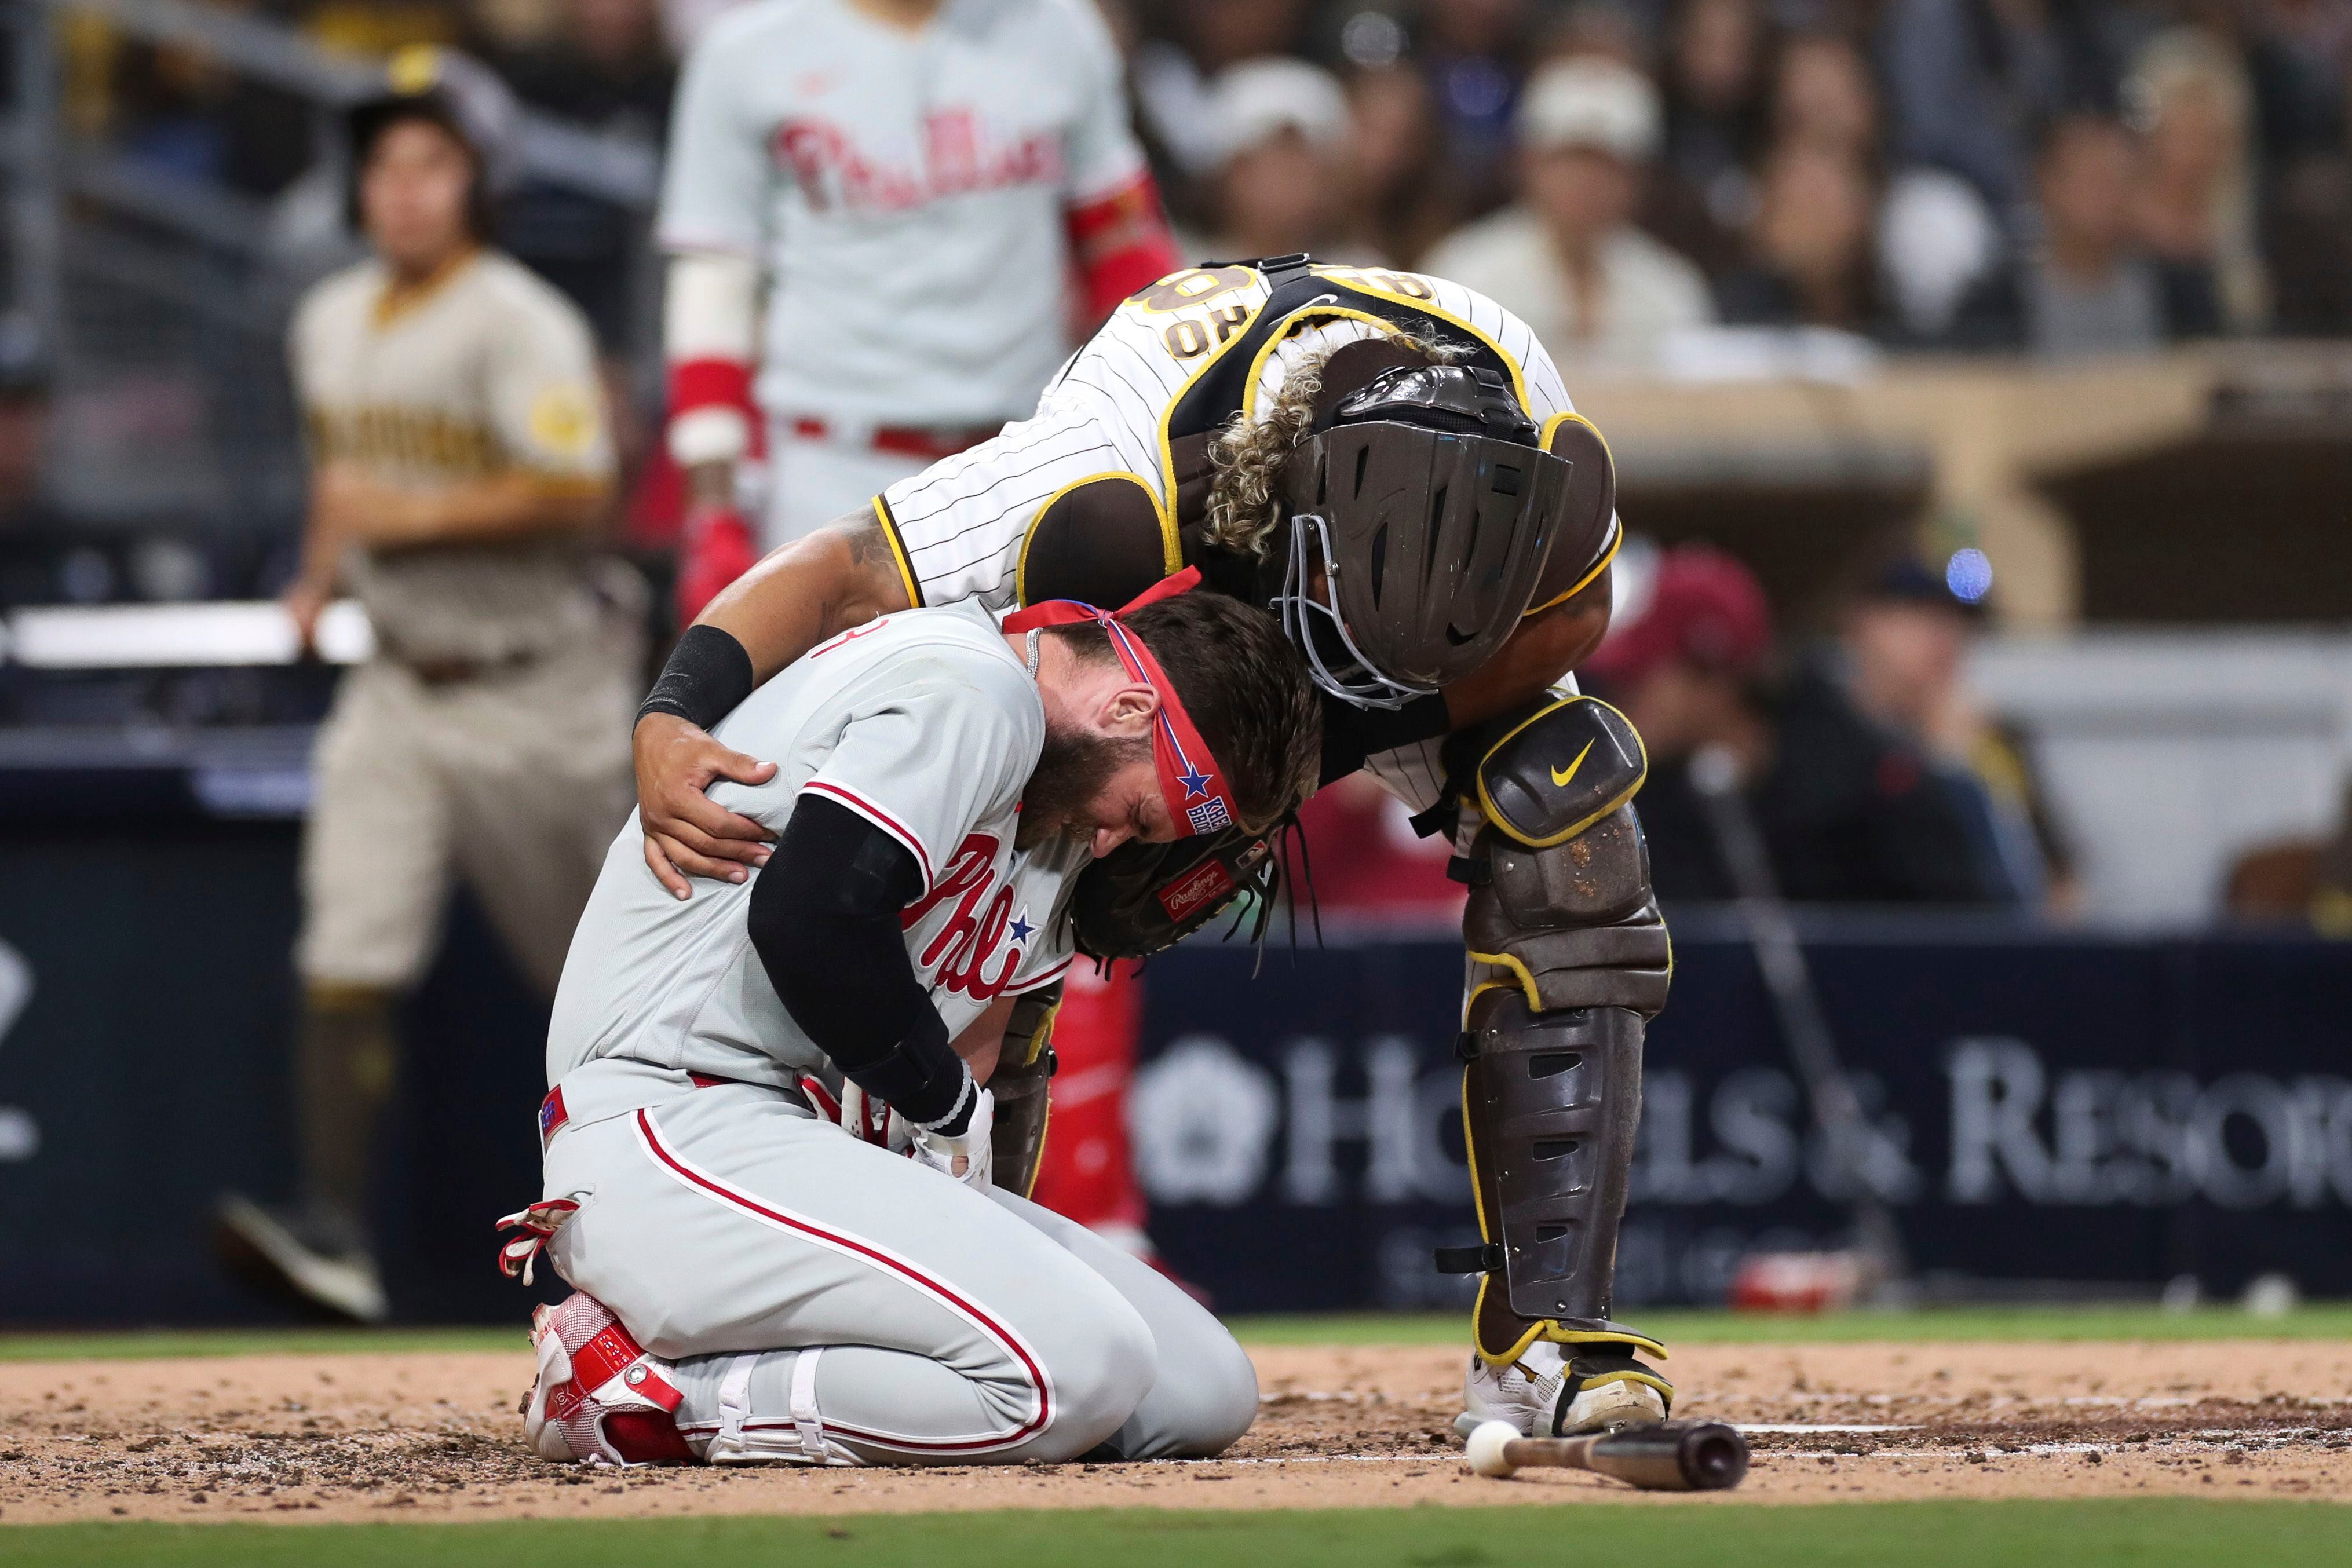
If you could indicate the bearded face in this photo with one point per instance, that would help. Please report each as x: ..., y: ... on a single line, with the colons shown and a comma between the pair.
x: 1077, y: 766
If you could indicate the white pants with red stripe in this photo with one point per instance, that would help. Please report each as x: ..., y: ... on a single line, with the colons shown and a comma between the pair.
x: 826, y: 1300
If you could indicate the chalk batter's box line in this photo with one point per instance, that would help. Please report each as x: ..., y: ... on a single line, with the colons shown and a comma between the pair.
x: 1785, y: 1428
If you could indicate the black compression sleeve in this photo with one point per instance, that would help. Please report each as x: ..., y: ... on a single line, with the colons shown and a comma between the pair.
x: 824, y: 921
x: 708, y: 676
x: 1352, y: 735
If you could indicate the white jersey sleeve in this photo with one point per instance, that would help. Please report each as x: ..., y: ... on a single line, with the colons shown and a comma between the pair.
x: 920, y: 737
x: 719, y: 183
x: 1101, y: 152
x: 960, y: 526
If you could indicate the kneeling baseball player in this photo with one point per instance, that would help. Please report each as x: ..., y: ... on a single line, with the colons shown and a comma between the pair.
x: 756, y: 1284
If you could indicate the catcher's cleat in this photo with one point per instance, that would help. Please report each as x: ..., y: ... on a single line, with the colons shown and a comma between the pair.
x: 317, y: 1258
x: 600, y: 1398
x: 1547, y: 1393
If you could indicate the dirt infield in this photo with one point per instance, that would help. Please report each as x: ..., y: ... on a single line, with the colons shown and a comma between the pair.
x: 429, y: 1436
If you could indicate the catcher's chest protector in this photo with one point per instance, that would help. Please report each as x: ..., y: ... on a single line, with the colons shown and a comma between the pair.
x: 1568, y: 960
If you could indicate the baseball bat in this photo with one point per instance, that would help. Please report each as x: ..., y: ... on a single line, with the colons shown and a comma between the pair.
x: 1788, y: 981
x: 1669, y: 1456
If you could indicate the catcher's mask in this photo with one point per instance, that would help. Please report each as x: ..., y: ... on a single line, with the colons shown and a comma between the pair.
x: 1430, y: 510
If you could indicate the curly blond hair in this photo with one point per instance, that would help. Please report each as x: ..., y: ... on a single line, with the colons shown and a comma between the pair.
x: 1246, y: 457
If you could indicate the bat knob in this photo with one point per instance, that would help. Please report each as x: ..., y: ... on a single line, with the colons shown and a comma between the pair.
x: 1714, y: 1456
x: 1484, y: 1450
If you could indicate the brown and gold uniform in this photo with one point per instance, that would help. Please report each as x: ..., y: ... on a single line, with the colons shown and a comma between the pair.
x: 489, y: 736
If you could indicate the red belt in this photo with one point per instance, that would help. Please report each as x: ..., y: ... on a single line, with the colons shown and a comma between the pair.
x: 929, y: 443
x: 811, y: 1095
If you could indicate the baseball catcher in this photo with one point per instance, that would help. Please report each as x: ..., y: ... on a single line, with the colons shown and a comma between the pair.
x: 1389, y: 466
x: 756, y: 1284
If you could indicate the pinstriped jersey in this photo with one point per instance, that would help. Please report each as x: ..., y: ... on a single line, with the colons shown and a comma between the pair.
x: 1127, y: 416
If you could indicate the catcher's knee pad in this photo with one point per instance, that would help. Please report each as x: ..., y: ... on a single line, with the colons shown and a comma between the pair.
x: 1568, y: 960
x: 1561, y: 902
x: 1022, y: 1084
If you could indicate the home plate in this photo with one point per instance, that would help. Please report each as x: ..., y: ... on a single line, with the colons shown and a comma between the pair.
x: 1777, y: 1427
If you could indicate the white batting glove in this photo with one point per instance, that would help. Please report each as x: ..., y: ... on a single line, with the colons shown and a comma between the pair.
x: 966, y: 1158
x: 870, y: 1120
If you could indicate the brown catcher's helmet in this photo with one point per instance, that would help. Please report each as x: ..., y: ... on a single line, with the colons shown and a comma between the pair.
x: 1426, y: 508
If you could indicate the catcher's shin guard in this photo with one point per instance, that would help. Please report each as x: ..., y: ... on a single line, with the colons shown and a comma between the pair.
x: 1568, y: 960
x: 1023, y: 1085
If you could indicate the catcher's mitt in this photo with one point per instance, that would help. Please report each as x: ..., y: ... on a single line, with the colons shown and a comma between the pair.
x: 1143, y: 897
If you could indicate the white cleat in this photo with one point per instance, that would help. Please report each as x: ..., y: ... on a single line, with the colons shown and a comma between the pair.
x: 1546, y: 1395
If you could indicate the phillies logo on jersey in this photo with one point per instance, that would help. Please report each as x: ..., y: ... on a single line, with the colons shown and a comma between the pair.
x: 957, y: 152
x: 983, y: 919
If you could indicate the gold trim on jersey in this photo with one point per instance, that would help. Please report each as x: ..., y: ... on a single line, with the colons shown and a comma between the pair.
x: 898, y: 552
x: 398, y: 298
x: 1359, y: 280
x: 1171, y: 549
x: 402, y: 437
x: 1175, y: 400
x: 1616, y: 537
x: 1302, y: 316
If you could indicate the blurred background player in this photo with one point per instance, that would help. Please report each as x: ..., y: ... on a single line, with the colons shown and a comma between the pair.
x: 461, y: 468
x: 914, y: 182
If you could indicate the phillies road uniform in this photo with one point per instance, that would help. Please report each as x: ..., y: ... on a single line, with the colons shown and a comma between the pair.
x: 916, y: 198
x: 828, y: 1301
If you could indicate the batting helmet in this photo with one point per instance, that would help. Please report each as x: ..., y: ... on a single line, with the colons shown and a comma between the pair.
x: 464, y: 98
x: 1422, y: 512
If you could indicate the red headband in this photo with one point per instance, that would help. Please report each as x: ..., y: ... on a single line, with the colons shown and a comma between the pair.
x: 1198, y: 800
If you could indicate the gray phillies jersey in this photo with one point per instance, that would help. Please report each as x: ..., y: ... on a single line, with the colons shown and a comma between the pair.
x: 925, y: 724
x: 906, y: 189
x: 482, y: 371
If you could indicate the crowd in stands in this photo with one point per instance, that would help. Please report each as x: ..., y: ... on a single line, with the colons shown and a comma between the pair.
x: 2040, y: 175
x: 1857, y: 753
x: 2052, y: 176
x: 1638, y: 178
x: 1871, y: 775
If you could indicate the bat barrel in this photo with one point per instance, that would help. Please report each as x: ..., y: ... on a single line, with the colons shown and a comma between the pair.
x: 1672, y: 1456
